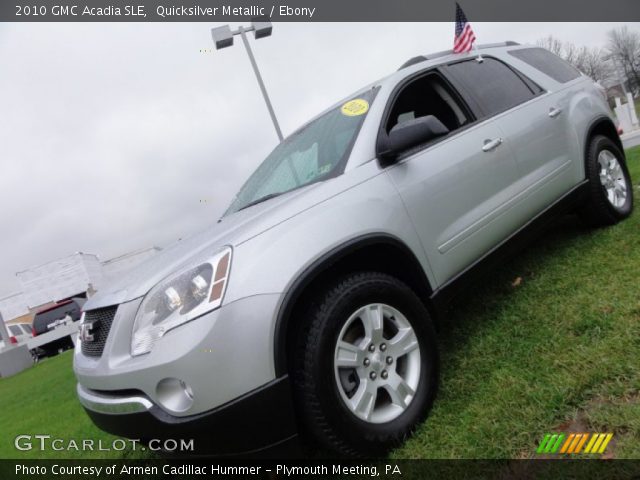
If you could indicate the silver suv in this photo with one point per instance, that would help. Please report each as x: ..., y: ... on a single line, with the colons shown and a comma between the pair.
x: 311, y: 306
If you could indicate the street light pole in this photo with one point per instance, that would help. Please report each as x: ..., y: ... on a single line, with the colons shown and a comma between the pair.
x: 260, y: 82
x: 223, y: 37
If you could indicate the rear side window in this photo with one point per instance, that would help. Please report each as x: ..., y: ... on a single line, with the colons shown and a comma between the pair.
x: 15, y: 330
x: 494, y: 86
x: 547, y: 63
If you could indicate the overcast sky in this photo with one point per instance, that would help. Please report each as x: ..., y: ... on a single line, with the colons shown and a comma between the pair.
x: 120, y: 136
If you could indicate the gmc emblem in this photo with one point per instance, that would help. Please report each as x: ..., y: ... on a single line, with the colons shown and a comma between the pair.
x: 85, y: 331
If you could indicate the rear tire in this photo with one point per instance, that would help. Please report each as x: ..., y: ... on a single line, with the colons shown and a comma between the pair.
x: 379, y: 328
x: 610, y: 189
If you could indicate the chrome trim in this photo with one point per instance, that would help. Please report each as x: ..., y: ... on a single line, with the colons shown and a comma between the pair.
x: 111, y: 404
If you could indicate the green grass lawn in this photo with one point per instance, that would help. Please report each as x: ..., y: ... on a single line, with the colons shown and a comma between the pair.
x: 42, y: 401
x: 550, y: 342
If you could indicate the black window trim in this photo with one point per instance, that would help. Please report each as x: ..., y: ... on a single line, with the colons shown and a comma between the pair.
x: 400, y: 87
x: 472, y: 99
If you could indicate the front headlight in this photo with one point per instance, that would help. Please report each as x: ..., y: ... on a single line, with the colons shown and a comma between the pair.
x: 180, y: 298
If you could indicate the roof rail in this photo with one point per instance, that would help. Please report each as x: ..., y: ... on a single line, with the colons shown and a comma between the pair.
x: 444, y: 53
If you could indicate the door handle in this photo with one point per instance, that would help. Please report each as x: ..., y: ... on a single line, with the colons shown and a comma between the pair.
x: 554, y: 112
x: 491, y: 144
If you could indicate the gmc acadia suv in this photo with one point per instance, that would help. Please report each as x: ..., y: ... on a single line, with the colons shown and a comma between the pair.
x: 310, y: 306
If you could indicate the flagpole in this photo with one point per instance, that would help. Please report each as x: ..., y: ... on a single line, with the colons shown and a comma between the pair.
x: 479, y: 58
x: 463, y: 29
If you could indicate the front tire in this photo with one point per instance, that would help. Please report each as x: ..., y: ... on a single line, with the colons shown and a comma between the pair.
x: 366, y: 365
x: 610, y: 190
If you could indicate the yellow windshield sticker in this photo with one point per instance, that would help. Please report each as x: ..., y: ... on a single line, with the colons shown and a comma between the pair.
x: 356, y: 107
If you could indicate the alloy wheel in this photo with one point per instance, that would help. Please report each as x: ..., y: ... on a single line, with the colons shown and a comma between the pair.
x: 612, y: 178
x: 377, y: 363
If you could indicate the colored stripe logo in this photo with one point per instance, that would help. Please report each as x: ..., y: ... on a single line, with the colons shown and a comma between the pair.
x: 574, y: 443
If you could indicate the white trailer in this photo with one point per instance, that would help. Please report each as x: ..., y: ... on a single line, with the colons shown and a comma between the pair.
x: 60, y: 279
x: 13, y: 306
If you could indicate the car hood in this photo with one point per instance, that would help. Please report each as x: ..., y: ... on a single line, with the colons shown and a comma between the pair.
x: 231, y: 230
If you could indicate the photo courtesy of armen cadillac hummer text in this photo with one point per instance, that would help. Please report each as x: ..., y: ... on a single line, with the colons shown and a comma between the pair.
x: 310, y: 308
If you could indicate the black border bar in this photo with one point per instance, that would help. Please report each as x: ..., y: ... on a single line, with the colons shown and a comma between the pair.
x: 320, y: 468
x: 317, y: 10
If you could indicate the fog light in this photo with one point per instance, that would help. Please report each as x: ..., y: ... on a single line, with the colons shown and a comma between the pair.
x: 174, y: 394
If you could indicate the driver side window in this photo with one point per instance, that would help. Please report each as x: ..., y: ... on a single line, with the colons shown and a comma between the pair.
x: 427, y: 95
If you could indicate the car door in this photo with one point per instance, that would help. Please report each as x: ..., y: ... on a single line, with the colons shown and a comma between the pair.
x: 533, y: 125
x: 457, y: 190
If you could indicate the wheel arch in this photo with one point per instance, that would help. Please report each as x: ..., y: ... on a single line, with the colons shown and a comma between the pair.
x: 374, y: 252
x: 602, y: 125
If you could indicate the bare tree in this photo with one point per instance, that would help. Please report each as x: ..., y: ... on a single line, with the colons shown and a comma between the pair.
x: 624, y: 49
x: 570, y: 53
x: 552, y: 44
x: 590, y: 61
x: 593, y: 63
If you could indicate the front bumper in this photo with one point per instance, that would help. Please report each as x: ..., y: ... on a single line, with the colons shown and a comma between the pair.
x: 234, y: 402
x: 221, y: 356
x: 257, y: 421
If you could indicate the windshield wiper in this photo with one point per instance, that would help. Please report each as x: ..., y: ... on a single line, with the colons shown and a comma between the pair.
x: 260, y: 200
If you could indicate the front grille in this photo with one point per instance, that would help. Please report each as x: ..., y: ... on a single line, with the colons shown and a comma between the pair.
x: 101, y: 319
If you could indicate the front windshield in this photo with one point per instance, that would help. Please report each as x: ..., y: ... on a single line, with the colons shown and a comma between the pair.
x: 316, y: 152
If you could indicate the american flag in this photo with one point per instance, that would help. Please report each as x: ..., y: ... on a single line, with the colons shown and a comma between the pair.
x: 464, y: 38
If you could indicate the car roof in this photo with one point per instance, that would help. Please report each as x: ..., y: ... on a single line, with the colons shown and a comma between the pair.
x: 421, y: 62
x: 449, y: 53
x: 415, y: 64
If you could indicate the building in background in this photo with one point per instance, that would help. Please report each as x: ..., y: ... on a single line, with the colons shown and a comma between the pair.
x: 77, y: 275
x: 59, y: 279
x: 14, y: 307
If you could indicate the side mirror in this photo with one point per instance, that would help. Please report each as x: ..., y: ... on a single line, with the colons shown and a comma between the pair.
x: 409, y: 134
